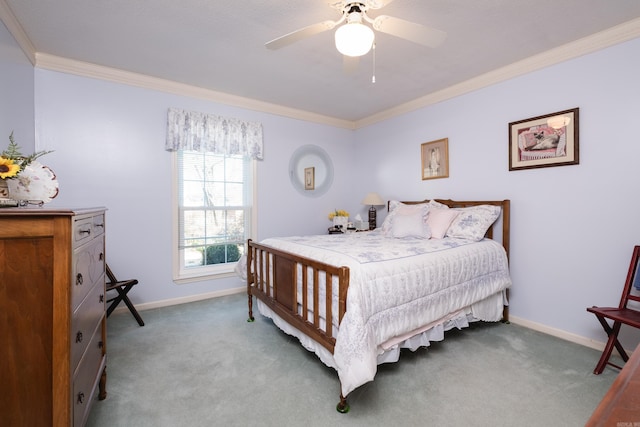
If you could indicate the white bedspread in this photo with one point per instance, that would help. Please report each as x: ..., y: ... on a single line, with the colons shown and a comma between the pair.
x: 398, y: 286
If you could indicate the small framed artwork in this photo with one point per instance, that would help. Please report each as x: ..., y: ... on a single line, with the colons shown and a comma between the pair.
x: 435, y: 159
x: 309, y: 178
x: 543, y: 141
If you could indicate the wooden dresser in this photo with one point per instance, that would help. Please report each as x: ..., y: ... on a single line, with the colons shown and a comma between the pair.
x: 52, y: 315
x: 620, y: 407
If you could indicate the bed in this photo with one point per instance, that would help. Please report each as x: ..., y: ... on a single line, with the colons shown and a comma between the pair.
x: 357, y: 298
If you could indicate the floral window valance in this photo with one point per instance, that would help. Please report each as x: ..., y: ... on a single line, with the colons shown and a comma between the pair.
x: 194, y: 131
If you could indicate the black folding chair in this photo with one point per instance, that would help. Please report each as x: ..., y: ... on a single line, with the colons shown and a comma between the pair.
x: 619, y: 315
x: 122, y: 287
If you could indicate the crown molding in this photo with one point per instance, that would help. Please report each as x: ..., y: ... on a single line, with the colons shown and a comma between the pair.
x: 85, y: 69
x: 612, y: 36
x: 615, y: 35
x: 16, y: 30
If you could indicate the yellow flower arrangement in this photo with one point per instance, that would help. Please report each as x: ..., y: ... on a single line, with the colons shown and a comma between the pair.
x: 12, y: 161
x: 8, y: 168
x: 338, y: 212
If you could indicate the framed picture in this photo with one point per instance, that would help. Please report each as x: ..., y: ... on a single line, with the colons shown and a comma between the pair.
x: 549, y: 140
x: 309, y: 178
x: 435, y: 159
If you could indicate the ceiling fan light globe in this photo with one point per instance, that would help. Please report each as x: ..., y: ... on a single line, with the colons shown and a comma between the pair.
x: 354, y: 39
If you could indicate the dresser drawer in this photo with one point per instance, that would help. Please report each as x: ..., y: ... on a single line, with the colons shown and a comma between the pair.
x: 82, y: 230
x: 86, y: 378
x: 86, y: 228
x: 97, y: 225
x: 84, y: 322
x: 88, y: 269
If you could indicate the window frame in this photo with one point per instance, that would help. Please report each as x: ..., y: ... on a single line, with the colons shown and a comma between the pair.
x: 219, y: 271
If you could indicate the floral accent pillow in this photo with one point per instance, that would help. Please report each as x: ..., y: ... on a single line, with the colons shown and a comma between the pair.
x: 434, y: 204
x: 473, y: 222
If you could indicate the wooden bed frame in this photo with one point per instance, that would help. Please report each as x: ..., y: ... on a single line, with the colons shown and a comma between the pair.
x: 279, y: 289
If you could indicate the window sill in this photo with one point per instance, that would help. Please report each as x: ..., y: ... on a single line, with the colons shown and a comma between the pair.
x: 205, y: 276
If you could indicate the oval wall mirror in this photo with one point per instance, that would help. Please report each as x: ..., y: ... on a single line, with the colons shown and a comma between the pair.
x: 311, y: 170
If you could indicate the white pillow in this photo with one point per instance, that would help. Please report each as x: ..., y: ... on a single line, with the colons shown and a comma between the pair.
x: 439, y: 221
x: 386, y: 224
x: 393, y: 210
x: 409, y: 221
x: 473, y: 222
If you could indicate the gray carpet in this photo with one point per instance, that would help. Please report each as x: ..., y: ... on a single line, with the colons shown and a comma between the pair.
x: 203, y: 364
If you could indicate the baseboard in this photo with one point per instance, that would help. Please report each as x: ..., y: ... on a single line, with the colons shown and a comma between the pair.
x: 559, y: 333
x: 183, y: 300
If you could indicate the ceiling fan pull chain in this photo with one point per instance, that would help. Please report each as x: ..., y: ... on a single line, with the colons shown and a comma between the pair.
x: 373, y: 77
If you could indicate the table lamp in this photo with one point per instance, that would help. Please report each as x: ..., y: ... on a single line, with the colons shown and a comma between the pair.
x: 372, y: 199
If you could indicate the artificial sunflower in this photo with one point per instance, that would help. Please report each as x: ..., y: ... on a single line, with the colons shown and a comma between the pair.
x: 8, y: 168
x: 12, y: 161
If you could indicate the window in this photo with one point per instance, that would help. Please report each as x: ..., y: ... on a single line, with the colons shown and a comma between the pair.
x: 215, y: 212
x: 214, y: 199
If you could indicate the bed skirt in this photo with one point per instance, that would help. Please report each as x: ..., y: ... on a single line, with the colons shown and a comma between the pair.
x: 489, y: 310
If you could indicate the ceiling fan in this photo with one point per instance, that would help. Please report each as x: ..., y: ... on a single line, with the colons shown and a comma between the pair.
x: 353, y: 15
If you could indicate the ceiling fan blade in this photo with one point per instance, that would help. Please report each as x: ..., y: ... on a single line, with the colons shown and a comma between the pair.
x: 370, y: 4
x: 378, y: 4
x: 411, y: 31
x: 350, y: 64
x: 300, y: 34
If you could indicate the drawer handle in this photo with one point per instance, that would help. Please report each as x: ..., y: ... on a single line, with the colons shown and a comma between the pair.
x: 79, y: 337
x: 99, y: 225
x: 87, y: 231
x: 81, y: 398
x: 101, y: 298
x: 79, y: 279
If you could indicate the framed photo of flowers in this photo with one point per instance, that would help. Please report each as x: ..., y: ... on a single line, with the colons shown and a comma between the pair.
x: 435, y: 159
x: 543, y: 141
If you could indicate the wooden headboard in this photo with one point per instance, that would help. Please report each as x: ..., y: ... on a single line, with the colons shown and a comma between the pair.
x: 503, y: 220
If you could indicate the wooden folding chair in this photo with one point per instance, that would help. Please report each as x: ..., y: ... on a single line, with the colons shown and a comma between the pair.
x: 619, y: 315
x: 122, y: 287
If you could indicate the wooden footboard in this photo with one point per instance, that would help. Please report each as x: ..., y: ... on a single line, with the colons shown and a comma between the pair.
x: 292, y: 286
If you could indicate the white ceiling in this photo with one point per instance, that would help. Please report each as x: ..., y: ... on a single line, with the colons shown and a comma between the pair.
x: 219, y: 45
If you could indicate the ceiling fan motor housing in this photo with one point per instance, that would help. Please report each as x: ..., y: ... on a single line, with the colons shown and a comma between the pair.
x: 353, y: 15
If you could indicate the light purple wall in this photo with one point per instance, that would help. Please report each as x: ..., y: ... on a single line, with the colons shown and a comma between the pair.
x: 572, y: 227
x: 108, y: 141
x: 16, y: 94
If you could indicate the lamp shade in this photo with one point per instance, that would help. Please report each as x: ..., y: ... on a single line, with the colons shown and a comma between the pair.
x: 373, y: 199
x: 354, y: 39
